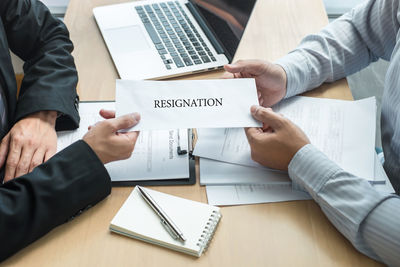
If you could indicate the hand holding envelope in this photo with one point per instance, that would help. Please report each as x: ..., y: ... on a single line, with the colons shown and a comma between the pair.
x: 188, y: 104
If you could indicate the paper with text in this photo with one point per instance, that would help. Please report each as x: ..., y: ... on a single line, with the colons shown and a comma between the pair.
x: 252, y: 194
x: 188, y: 104
x: 213, y: 172
x: 241, y: 194
x: 154, y: 157
x: 343, y: 130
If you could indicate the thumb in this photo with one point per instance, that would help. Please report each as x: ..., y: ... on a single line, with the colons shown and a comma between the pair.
x: 107, y: 114
x: 253, y: 67
x: 267, y: 116
x: 124, y: 122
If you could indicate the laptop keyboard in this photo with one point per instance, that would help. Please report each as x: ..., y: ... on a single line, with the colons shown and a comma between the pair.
x: 177, y: 40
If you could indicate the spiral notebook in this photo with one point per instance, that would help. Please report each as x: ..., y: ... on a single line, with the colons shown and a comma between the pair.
x: 197, y: 221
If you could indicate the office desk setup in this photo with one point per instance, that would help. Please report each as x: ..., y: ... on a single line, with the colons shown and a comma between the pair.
x: 274, y: 234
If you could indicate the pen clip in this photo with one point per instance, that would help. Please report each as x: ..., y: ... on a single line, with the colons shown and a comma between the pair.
x: 192, y: 140
x: 164, y: 223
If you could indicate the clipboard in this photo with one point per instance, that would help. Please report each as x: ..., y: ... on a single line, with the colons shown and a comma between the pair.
x: 191, y: 180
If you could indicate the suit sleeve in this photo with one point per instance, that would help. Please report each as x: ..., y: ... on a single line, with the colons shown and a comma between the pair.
x: 31, y: 205
x: 42, y: 41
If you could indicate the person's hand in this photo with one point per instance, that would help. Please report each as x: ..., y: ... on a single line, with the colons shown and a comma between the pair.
x: 270, y: 78
x: 105, y: 140
x: 275, y: 144
x: 30, y: 142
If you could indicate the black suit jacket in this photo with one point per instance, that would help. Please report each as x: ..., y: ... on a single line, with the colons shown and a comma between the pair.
x: 55, y: 192
x: 74, y: 179
x: 42, y: 41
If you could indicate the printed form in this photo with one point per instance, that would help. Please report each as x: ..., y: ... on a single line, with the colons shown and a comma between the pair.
x: 343, y: 130
x: 155, y: 155
x: 213, y: 172
x: 240, y: 194
x: 252, y: 194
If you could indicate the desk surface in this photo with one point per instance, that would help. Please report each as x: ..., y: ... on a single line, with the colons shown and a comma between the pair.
x: 275, y: 234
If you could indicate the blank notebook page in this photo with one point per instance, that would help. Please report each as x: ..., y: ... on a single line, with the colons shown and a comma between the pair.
x: 196, y: 220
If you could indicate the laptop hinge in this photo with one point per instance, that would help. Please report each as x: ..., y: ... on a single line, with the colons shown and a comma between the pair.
x: 207, y: 30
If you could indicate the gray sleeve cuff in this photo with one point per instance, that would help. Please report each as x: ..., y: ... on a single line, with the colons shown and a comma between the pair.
x: 310, y: 169
x: 344, y: 198
x: 297, y: 72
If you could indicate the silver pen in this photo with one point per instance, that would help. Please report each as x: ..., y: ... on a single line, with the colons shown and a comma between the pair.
x: 166, y: 221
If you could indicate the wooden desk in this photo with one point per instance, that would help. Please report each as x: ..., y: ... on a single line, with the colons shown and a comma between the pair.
x: 280, y: 234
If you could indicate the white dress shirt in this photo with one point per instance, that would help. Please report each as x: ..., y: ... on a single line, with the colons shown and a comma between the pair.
x: 3, y: 112
x: 369, y: 219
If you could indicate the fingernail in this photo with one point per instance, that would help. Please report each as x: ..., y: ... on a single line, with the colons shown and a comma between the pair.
x: 253, y: 109
x: 136, y: 116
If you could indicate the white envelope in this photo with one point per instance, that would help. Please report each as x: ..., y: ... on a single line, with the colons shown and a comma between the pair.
x: 188, y: 104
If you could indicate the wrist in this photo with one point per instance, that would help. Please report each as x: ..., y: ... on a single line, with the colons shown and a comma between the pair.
x: 49, y: 116
x: 96, y: 148
x: 283, y: 77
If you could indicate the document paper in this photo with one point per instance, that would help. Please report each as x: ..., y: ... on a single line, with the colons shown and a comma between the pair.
x: 213, y: 172
x: 188, y: 104
x: 343, y: 130
x: 241, y: 194
x: 154, y: 157
x: 252, y: 194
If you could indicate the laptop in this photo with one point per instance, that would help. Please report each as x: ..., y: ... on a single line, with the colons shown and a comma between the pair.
x: 155, y: 39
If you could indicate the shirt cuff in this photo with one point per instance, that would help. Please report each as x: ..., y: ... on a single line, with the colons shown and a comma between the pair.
x: 310, y: 169
x: 297, y: 72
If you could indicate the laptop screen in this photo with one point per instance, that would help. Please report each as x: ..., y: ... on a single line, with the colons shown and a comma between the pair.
x: 227, y: 18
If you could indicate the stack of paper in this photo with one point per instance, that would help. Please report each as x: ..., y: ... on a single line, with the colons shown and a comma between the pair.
x: 343, y: 130
x: 244, y: 193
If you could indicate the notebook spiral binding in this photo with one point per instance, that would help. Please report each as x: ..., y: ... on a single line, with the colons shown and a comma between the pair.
x: 209, y: 230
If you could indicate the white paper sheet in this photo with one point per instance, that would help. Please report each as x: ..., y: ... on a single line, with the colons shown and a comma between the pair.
x: 343, y: 130
x: 252, y: 194
x: 155, y: 154
x: 155, y: 158
x: 227, y: 145
x: 214, y: 172
x: 188, y: 104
